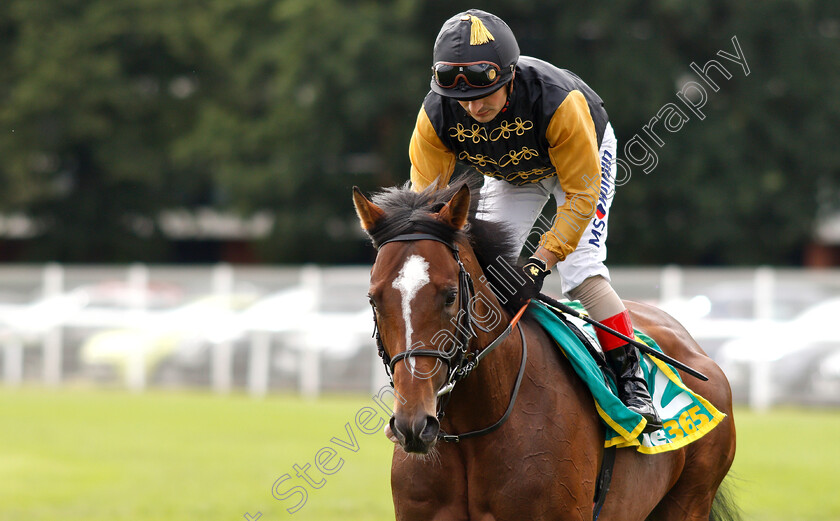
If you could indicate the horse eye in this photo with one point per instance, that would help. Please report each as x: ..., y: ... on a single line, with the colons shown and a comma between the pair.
x: 372, y: 302
x: 450, y: 297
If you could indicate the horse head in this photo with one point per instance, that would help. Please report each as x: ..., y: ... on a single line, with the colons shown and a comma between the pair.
x: 418, y: 291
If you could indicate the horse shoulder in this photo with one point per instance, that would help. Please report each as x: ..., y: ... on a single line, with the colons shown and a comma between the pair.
x: 557, y: 435
x: 568, y: 408
x: 553, y: 375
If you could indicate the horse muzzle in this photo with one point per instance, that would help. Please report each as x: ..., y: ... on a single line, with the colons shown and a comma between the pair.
x: 417, y: 434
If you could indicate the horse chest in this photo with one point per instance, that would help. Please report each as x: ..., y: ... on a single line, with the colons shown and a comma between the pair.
x: 489, y: 481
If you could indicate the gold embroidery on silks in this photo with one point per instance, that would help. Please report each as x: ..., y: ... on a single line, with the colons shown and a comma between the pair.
x: 520, y: 178
x: 480, y: 159
x: 477, y: 133
x: 513, y: 157
x: 506, y: 128
x: 530, y: 176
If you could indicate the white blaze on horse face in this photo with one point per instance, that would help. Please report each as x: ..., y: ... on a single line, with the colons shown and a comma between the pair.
x: 413, y: 275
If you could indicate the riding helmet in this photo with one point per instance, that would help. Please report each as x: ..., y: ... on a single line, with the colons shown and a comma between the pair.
x: 475, y: 36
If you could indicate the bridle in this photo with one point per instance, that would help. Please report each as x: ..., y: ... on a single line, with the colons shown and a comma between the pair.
x: 461, y: 361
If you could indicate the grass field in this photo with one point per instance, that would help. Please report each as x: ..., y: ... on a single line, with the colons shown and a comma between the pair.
x: 106, y: 455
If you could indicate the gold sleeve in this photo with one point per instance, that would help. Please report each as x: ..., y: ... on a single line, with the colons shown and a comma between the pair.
x: 573, y: 149
x: 431, y: 161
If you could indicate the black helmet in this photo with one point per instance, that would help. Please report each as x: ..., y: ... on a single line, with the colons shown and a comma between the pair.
x: 475, y: 55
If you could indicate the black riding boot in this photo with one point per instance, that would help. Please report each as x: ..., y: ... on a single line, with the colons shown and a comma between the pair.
x: 632, y: 388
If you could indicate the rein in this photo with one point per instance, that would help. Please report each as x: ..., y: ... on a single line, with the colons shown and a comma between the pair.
x: 461, y: 362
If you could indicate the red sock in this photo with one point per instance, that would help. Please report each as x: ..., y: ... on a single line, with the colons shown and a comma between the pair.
x: 621, y: 323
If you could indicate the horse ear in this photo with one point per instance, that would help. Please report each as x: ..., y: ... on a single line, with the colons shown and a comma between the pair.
x: 369, y: 214
x: 456, y: 211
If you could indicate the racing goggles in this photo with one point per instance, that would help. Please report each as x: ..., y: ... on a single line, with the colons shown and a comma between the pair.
x: 475, y: 74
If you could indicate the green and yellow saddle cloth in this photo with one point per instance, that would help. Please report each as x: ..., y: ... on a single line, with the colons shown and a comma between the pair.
x: 685, y: 415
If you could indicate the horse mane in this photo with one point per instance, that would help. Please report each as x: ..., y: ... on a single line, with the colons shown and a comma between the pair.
x: 407, y: 211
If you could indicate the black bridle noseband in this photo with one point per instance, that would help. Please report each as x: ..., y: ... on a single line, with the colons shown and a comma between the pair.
x: 461, y: 361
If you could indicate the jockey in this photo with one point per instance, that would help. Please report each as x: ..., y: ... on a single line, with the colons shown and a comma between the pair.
x: 532, y: 130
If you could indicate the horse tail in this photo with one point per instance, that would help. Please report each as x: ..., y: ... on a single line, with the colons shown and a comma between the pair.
x: 724, y: 507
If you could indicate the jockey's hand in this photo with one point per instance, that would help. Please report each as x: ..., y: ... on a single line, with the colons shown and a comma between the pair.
x: 534, y: 272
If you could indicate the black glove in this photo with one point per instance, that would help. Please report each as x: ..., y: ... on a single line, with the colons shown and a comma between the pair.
x: 533, y: 271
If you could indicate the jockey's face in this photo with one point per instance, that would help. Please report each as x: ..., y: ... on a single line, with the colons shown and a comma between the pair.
x: 488, y: 107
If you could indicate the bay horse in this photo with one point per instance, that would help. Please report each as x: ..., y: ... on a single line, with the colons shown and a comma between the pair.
x: 518, y: 437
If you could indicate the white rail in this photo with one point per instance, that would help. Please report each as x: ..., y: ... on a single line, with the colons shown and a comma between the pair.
x: 284, y: 320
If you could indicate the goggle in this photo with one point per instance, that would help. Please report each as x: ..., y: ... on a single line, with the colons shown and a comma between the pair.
x: 475, y: 74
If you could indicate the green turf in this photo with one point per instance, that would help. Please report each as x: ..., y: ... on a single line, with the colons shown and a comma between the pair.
x: 787, y: 465
x: 96, y: 455
x: 106, y: 455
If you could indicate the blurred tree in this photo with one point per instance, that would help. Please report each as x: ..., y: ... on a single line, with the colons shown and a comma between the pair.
x: 315, y: 102
x: 117, y: 109
x: 743, y: 184
x: 114, y: 110
x: 92, y: 104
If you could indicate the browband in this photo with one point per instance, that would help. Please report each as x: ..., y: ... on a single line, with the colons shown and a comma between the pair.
x: 419, y: 237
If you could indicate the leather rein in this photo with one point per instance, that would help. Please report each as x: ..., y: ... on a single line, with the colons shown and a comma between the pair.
x: 461, y: 361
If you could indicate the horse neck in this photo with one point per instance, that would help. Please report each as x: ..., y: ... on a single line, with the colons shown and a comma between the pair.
x: 483, y: 396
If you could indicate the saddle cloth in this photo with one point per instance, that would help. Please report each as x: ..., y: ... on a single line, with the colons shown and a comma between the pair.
x: 685, y: 415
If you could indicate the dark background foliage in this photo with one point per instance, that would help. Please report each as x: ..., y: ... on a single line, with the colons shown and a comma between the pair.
x: 115, y: 110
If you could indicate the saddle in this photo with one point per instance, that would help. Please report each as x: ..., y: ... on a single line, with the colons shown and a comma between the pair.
x: 686, y: 416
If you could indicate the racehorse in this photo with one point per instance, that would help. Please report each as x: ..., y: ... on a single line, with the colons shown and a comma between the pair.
x: 516, y: 436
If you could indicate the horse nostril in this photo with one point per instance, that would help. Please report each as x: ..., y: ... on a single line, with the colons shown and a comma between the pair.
x: 430, y: 430
x: 416, y: 434
x: 397, y: 430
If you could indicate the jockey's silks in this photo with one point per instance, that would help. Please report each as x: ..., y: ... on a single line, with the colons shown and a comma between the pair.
x: 553, y: 126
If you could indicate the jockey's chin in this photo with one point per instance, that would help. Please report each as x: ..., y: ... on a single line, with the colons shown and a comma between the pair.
x: 487, y: 108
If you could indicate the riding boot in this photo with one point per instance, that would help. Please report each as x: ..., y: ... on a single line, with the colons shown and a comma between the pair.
x: 623, y: 359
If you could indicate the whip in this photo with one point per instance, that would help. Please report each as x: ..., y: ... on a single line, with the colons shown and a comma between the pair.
x: 642, y: 347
